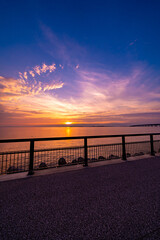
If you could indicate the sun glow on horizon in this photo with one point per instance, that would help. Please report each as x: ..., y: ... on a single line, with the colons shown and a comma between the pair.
x: 68, y: 123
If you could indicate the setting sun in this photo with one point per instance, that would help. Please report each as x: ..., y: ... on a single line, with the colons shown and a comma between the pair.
x: 68, y: 123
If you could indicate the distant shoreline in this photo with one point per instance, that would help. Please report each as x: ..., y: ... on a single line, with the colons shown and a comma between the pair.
x: 146, y: 125
x: 76, y: 125
x: 68, y: 126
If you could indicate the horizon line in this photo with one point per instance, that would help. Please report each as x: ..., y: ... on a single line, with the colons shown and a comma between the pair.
x: 87, y: 125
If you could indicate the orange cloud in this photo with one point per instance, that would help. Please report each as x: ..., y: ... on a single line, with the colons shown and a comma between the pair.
x: 37, y: 69
x: 95, y: 97
x: 53, y: 86
x: 31, y: 73
x: 11, y: 88
x: 44, y: 68
x: 52, y: 68
x: 25, y: 75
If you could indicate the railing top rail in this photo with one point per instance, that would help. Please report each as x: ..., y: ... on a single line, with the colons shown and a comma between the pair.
x: 72, y: 147
x: 76, y: 137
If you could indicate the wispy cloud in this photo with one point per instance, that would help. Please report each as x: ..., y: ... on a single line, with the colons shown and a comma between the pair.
x: 38, y: 70
x: 115, y: 93
x: 86, y: 94
x: 95, y: 96
x: 77, y: 66
x: 61, y: 66
x: 32, y: 73
x: 61, y: 48
x: 25, y: 75
x: 133, y: 42
x: 53, y: 86
x: 11, y: 88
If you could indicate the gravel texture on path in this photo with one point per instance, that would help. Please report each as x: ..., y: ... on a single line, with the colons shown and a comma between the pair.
x: 120, y: 201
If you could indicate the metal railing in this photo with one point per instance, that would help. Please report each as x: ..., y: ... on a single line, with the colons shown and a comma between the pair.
x: 17, y: 161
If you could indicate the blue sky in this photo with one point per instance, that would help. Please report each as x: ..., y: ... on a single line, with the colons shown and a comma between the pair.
x: 79, y: 61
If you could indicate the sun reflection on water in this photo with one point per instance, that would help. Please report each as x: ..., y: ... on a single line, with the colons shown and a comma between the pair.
x: 68, y: 131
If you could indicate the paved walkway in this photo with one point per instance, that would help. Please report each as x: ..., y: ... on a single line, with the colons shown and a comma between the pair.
x: 120, y: 201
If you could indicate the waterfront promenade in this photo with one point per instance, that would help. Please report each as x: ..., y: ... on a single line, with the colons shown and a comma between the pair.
x: 119, y: 201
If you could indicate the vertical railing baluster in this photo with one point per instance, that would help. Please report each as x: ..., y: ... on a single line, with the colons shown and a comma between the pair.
x: 152, y: 146
x: 31, y: 172
x: 6, y: 168
x: 2, y: 164
x: 85, y: 153
x: 18, y: 162
x: 123, y: 149
x: 14, y: 162
x: 10, y: 161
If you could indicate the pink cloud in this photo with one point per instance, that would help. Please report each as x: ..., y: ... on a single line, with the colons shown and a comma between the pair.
x: 65, y: 48
x: 60, y: 65
x: 44, y: 68
x: 37, y: 69
x: 53, y: 86
x: 25, y: 75
x: 132, y: 43
x: 32, y: 73
x: 52, y: 68
x: 77, y: 66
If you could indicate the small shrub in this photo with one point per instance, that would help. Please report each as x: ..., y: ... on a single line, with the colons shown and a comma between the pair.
x: 138, y: 154
x: 61, y: 161
x: 12, y: 169
x: 93, y: 159
x: 113, y: 156
x: 42, y: 165
x: 74, y: 161
x: 101, y: 158
x: 80, y: 160
x: 141, y: 153
x: 128, y: 155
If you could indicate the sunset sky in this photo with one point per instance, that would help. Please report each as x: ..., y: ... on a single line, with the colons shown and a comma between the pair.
x: 81, y: 62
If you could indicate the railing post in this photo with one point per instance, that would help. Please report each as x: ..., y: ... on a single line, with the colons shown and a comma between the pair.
x: 31, y: 172
x: 85, y: 153
x: 151, y: 143
x: 123, y: 149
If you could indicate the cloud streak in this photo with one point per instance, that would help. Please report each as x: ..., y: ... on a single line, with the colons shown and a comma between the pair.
x: 70, y: 91
x: 39, y: 70
x: 93, y: 97
x: 12, y: 89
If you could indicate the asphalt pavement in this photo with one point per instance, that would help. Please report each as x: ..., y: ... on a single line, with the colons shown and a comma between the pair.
x: 120, y: 201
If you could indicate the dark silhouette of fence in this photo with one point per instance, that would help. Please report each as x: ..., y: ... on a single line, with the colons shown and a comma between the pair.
x: 20, y: 161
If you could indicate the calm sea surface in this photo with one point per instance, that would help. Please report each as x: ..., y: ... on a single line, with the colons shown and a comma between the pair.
x: 44, y: 132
